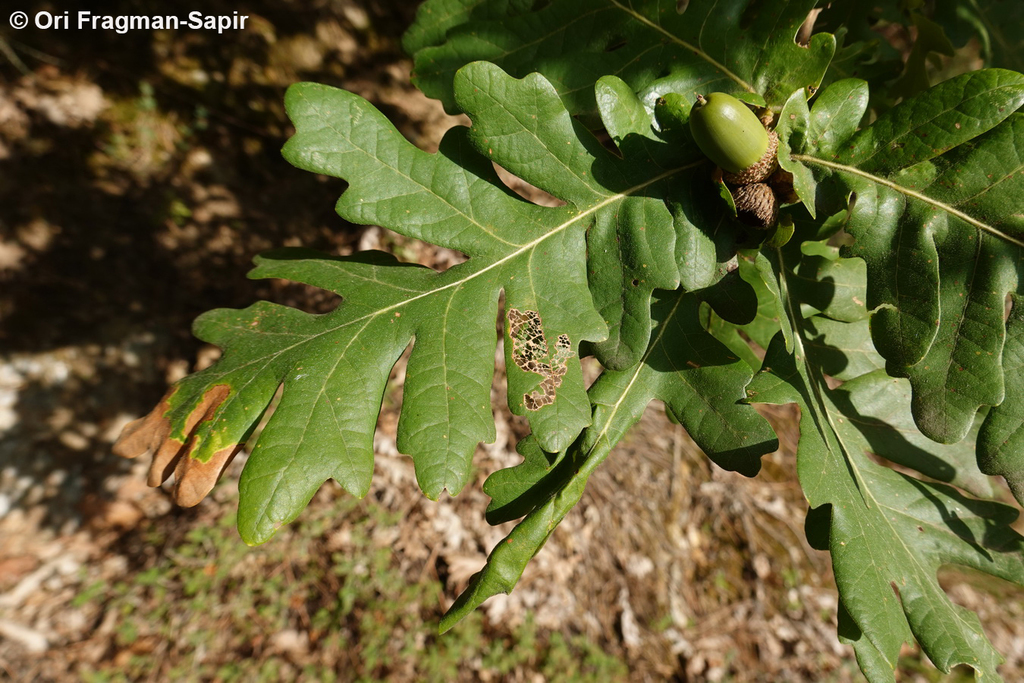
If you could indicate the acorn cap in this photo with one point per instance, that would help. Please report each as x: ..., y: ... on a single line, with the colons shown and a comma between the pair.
x: 756, y: 205
x: 762, y: 169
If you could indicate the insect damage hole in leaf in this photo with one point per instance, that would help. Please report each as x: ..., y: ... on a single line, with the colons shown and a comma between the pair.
x: 530, y: 353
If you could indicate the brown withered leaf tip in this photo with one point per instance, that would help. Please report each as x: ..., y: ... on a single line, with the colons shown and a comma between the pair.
x: 193, y: 479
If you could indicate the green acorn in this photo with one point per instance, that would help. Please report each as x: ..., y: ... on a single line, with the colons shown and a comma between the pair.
x: 732, y: 136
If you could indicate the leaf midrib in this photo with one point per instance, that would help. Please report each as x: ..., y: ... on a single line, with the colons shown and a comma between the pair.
x: 685, y: 45
x: 644, y: 20
x: 529, y: 246
x: 911, y: 194
x: 825, y: 416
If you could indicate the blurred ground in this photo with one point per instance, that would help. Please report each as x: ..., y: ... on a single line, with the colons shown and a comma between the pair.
x: 139, y: 174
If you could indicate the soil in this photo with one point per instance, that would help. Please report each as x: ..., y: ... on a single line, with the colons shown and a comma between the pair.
x: 139, y: 175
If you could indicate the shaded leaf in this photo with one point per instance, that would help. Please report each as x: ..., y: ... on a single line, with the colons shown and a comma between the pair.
x: 995, y: 23
x: 890, y: 533
x: 435, y: 19
x: 861, y: 51
x: 843, y: 350
x: 879, y: 407
x: 935, y: 181
x: 640, y: 42
x: 765, y: 324
x: 930, y: 38
x: 829, y: 285
x: 1001, y: 441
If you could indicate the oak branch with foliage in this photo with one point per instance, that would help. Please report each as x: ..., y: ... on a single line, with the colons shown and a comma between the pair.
x: 886, y: 300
